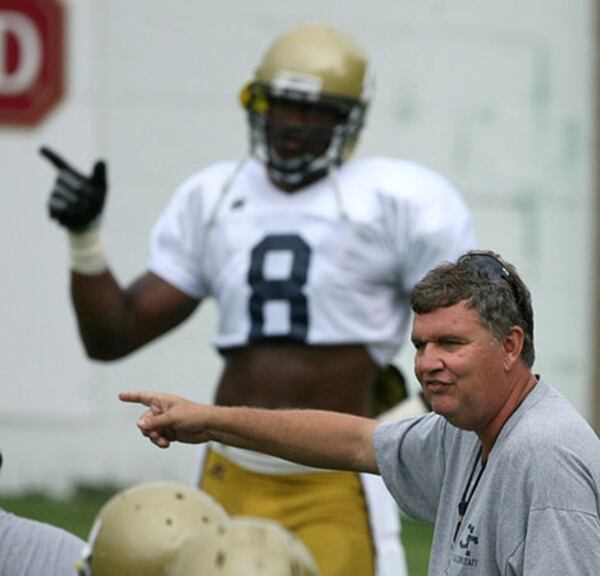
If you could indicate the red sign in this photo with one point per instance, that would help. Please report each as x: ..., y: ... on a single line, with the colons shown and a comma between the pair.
x: 31, y: 59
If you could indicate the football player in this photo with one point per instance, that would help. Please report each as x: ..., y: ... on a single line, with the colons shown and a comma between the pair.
x: 310, y: 254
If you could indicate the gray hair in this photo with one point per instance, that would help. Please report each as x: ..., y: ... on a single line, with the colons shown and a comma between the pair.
x: 490, y: 286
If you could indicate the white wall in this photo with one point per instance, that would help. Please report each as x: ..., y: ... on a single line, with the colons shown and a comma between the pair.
x: 497, y: 95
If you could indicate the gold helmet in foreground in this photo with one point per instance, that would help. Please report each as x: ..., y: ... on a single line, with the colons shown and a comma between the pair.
x: 245, y: 546
x: 139, y: 531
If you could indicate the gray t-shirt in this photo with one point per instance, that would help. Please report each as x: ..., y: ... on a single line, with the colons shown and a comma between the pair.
x: 536, y: 508
x: 30, y: 548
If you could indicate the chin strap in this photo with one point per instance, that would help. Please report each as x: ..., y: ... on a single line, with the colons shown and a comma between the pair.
x: 224, y: 192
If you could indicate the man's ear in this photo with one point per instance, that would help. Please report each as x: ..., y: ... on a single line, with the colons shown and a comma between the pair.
x: 512, y: 345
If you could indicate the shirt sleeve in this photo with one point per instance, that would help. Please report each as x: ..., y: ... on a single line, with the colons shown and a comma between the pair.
x: 178, y: 241
x: 440, y: 226
x: 409, y: 455
x: 425, y: 218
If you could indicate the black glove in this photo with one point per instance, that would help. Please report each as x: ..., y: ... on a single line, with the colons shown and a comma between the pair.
x: 76, y: 200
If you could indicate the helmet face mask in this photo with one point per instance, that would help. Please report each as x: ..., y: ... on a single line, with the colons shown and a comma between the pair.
x: 320, y: 76
x: 297, y: 139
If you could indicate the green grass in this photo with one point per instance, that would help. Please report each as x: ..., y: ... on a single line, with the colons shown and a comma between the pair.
x: 77, y: 514
x: 416, y: 537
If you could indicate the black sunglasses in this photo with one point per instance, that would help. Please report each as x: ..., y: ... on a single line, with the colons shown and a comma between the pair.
x: 495, y: 270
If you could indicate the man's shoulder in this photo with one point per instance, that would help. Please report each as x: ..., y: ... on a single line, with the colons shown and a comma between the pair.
x: 398, y: 178
x: 372, y: 167
x: 551, y: 432
x: 207, y: 186
x: 549, y: 415
x: 378, y: 166
x: 32, y: 530
x: 44, y: 548
x: 214, y: 175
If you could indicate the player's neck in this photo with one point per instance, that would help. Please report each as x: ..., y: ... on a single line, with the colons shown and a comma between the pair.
x: 290, y: 188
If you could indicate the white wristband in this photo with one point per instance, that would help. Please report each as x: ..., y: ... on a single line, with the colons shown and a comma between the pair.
x: 87, y: 252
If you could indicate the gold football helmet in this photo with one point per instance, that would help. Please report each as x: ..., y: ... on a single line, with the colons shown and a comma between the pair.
x: 313, y: 66
x: 139, y: 530
x: 245, y: 546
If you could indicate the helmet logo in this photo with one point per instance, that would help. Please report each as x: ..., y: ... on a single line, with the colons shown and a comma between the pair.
x: 286, y: 80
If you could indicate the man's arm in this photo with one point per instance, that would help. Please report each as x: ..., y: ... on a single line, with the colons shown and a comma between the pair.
x: 311, y: 437
x: 112, y: 321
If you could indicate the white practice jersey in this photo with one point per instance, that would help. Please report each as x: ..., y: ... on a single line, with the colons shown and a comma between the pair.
x: 332, y: 263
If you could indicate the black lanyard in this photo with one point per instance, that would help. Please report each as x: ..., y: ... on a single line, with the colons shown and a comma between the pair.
x: 466, y: 497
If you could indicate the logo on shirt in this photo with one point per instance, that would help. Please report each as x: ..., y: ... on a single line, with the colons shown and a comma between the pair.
x: 237, y: 204
x: 467, y: 546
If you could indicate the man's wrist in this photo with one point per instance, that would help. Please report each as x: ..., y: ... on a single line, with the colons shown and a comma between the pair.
x: 87, y: 251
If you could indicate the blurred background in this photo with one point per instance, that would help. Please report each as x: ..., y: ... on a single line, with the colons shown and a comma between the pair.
x: 499, y: 96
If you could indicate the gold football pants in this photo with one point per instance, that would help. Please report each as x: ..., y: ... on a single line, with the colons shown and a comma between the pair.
x: 327, y: 510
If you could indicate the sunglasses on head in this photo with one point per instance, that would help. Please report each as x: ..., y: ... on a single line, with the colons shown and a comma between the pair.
x: 495, y: 270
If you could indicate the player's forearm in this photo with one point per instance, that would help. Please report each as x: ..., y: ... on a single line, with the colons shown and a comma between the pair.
x: 102, y: 314
x: 311, y: 437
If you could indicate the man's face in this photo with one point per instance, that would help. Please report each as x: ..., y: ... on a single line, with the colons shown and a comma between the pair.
x: 460, y: 366
x: 294, y: 128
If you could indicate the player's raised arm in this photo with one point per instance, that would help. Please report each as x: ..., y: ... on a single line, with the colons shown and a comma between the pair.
x: 113, y: 321
x: 312, y: 437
